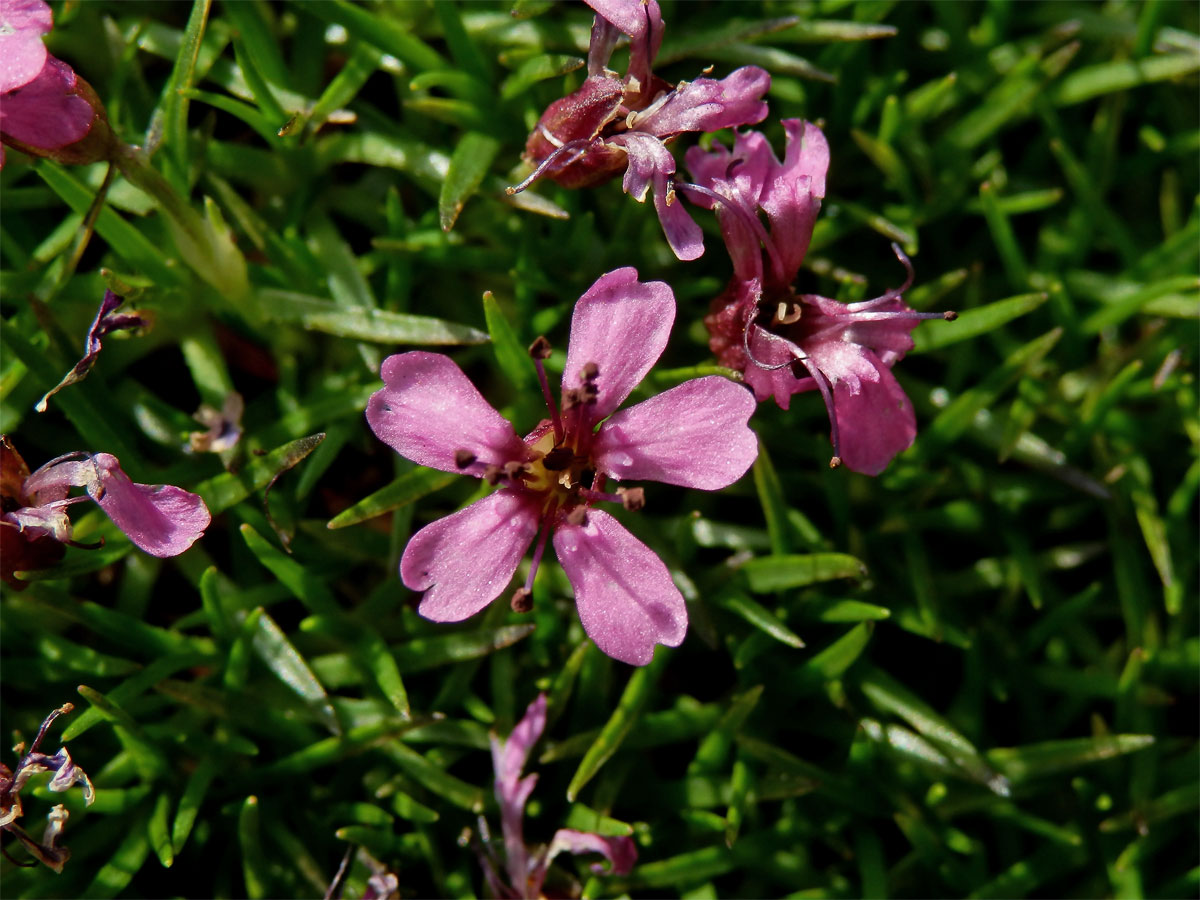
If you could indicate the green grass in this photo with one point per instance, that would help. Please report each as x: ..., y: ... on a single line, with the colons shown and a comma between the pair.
x: 975, y: 675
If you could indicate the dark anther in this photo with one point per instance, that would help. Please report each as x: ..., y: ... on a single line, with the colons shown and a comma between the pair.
x: 514, y: 470
x: 572, y: 397
x: 589, y: 393
x: 540, y: 349
x: 589, y: 372
x: 522, y: 600
x: 949, y: 315
x: 558, y: 459
x: 464, y: 458
x: 577, y: 516
x: 492, y: 474
x: 632, y: 498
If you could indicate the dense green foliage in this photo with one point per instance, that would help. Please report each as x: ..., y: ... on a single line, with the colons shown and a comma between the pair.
x: 975, y: 675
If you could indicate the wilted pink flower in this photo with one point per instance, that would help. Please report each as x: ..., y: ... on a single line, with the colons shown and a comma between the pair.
x: 106, y: 322
x: 694, y: 435
x: 527, y: 871
x: 612, y: 124
x: 162, y: 520
x: 45, y: 108
x: 66, y: 774
x: 846, y: 349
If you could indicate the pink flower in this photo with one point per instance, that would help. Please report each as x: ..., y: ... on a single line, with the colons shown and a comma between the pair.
x: 694, y: 435
x: 845, y: 350
x: 527, y: 871
x: 45, y: 108
x: 162, y: 520
x: 612, y: 125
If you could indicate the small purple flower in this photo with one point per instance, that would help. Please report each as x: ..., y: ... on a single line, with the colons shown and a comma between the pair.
x: 612, y: 125
x: 45, y: 108
x: 162, y: 520
x: 66, y: 774
x: 694, y: 435
x: 527, y: 871
x: 846, y: 349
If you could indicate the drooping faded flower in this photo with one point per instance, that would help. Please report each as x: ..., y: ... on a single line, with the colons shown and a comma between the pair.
x: 66, y: 774
x: 107, y: 321
x: 613, y: 125
x: 762, y: 327
x: 45, y: 108
x: 527, y: 870
x: 162, y: 519
x: 694, y: 435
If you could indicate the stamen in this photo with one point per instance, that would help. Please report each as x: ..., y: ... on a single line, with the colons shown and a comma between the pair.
x: 540, y: 350
x: 827, y: 395
x: 577, y: 516
x: 576, y: 148
x: 558, y: 459
x: 783, y: 316
x: 894, y: 293
x: 492, y: 474
x: 632, y: 498
x: 49, y: 720
x: 590, y: 372
x: 795, y: 351
x: 464, y: 458
x: 514, y: 470
x: 522, y: 600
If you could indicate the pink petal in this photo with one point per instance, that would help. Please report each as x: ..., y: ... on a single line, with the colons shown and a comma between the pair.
x: 625, y: 597
x: 649, y: 162
x: 620, y: 324
x: 512, y: 791
x: 619, y: 851
x: 464, y: 561
x: 739, y: 178
x: 875, y: 418
x: 793, y: 191
x: 775, y: 376
x: 642, y: 21
x: 428, y: 410
x: 161, y: 519
x: 694, y: 435
x: 708, y: 105
x: 45, y: 113
x: 54, y: 480
x: 22, y: 53
x: 683, y: 234
x: 42, y: 521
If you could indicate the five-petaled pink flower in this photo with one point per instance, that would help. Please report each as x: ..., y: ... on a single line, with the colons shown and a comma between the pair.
x: 162, y: 519
x: 694, y: 435
x: 846, y: 349
x: 527, y: 871
x: 45, y: 108
x: 616, y: 124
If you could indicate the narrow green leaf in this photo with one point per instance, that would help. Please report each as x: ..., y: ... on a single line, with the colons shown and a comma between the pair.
x: 292, y: 574
x: 471, y: 160
x: 175, y: 102
x: 420, y: 654
x: 157, y: 830
x: 714, y: 748
x: 1121, y: 75
x: 770, y: 495
x: 535, y: 69
x: 848, y: 611
x: 974, y: 322
x: 192, y: 800
x: 832, y: 662
x: 615, y: 730
x: 254, y: 857
x: 274, y: 648
x: 512, y: 357
x: 1004, y: 238
x: 124, y: 863
x: 584, y: 818
x: 134, y: 686
x: 959, y: 415
x: 408, y: 488
x: 435, y: 778
x: 1051, y: 757
x: 375, y: 27
x: 777, y: 573
x: 760, y: 617
x: 362, y: 323
x: 223, y: 491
